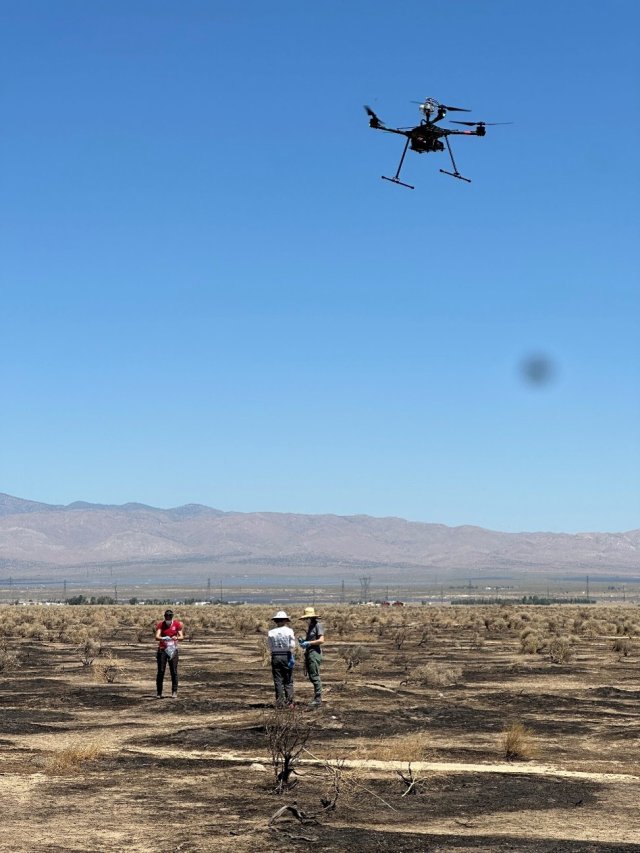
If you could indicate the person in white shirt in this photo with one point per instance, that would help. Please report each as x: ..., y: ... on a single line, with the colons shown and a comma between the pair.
x: 282, y: 645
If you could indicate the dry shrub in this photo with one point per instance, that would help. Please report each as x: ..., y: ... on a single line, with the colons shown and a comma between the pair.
x: 145, y: 633
x: 424, y: 635
x: 38, y: 631
x: 622, y: 646
x: 88, y: 651
x: 592, y: 628
x: 353, y: 656
x: 108, y: 669
x: 265, y: 652
x: 401, y: 661
x: 341, y: 624
x: 517, y: 743
x: 477, y: 641
x: 73, y: 634
x: 72, y: 757
x: 531, y: 644
x: 9, y: 659
x: 560, y: 650
x: 244, y: 621
x: 436, y: 675
x: 400, y: 638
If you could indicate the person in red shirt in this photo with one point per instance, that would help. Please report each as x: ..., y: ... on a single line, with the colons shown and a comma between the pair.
x: 168, y: 633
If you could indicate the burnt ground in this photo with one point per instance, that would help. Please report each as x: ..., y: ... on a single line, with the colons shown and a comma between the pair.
x: 193, y: 775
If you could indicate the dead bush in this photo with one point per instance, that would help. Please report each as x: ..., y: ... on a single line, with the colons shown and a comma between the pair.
x: 88, y: 651
x: 287, y: 734
x: 108, y: 669
x: 341, y: 624
x: 517, y: 743
x: 353, y: 656
x: 424, y: 635
x: 400, y: 638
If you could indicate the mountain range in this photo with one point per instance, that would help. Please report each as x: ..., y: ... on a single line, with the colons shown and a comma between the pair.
x: 141, y: 539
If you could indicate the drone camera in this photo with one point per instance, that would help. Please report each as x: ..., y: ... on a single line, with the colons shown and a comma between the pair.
x: 481, y: 130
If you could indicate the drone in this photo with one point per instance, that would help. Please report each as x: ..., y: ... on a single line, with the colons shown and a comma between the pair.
x: 427, y: 136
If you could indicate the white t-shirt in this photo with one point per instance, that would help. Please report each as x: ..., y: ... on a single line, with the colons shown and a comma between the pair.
x: 282, y: 640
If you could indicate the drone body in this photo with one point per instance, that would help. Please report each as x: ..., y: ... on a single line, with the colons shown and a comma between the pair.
x: 428, y: 135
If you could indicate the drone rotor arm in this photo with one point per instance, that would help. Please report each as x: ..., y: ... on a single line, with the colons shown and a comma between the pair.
x: 480, y: 123
x: 395, y: 130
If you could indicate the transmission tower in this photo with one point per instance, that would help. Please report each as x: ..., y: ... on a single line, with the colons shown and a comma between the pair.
x: 365, y: 583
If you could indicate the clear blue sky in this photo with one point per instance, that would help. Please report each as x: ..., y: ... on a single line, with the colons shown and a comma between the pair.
x: 209, y: 295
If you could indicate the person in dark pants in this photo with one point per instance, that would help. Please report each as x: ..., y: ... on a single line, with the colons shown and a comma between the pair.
x: 312, y: 645
x: 168, y: 633
x: 282, y: 645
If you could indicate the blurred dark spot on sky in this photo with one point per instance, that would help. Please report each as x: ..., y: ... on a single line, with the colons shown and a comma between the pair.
x: 537, y: 370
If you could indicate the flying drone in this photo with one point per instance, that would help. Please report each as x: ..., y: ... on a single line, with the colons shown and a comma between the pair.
x: 427, y: 136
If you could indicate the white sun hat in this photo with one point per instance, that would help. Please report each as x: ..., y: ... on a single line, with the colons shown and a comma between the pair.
x: 281, y: 615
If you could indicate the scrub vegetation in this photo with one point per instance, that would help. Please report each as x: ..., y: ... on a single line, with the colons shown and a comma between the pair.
x: 495, y: 727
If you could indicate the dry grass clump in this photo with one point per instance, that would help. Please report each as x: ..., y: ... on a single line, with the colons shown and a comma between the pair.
x: 412, y: 746
x: 108, y: 669
x: 517, y: 743
x: 72, y: 757
x: 436, y: 675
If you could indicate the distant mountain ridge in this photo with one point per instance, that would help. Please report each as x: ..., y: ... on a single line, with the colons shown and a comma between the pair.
x: 10, y: 505
x: 38, y: 535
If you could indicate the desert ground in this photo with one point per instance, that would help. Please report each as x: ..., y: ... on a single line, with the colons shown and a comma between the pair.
x: 443, y: 729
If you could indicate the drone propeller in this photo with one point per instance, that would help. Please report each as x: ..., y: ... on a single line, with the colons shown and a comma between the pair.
x: 480, y: 123
x: 444, y: 106
x: 374, y: 121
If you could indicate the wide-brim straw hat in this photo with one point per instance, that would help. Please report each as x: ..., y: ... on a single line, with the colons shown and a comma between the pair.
x: 310, y: 613
x: 281, y: 615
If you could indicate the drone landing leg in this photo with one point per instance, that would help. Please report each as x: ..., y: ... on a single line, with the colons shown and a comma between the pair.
x: 456, y: 173
x: 395, y: 180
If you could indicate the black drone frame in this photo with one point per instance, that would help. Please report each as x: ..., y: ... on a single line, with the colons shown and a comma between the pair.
x: 426, y: 129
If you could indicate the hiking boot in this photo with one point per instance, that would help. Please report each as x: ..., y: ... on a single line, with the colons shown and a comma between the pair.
x: 174, y: 695
x: 159, y: 696
x: 315, y: 703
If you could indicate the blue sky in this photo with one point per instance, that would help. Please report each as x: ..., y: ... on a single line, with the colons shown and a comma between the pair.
x: 210, y: 296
